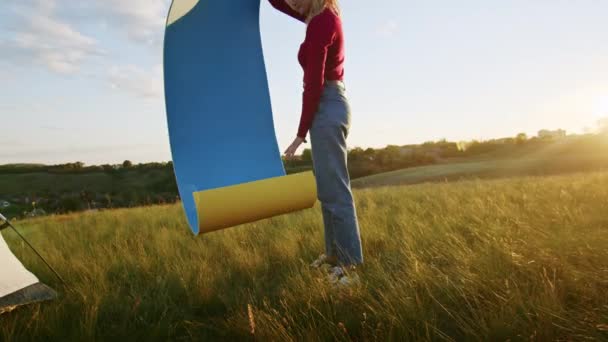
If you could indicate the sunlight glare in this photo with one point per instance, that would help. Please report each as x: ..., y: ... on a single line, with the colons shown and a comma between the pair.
x: 600, y: 109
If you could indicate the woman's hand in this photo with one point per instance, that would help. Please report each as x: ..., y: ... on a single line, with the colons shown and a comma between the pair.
x: 291, y: 150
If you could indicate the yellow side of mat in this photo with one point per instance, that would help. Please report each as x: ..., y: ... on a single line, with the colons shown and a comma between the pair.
x: 248, y: 202
x: 180, y: 8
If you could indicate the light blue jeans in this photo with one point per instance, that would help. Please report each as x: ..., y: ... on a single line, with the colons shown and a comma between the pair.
x: 328, y: 134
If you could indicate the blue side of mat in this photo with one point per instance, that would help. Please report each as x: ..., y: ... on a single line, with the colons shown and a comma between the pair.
x: 219, y: 115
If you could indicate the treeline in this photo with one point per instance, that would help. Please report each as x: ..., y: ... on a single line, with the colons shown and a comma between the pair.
x: 128, y: 185
x: 363, y: 161
x: 79, y: 167
x: 369, y: 161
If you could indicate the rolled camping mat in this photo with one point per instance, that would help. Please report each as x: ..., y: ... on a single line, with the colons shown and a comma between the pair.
x: 225, y: 154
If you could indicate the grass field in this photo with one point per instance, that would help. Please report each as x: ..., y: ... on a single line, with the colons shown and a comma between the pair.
x: 557, y: 158
x: 489, y: 260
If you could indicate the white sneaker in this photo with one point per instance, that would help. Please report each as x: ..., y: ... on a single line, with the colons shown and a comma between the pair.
x: 349, y: 280
x: 339, y: 277
x: 320, y: 261
x: 335, y: 274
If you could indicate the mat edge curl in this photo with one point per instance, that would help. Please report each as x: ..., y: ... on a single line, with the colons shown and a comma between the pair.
x: 307, y: 185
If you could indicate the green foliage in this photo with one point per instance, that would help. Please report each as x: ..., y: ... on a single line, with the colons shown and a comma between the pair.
x: 61, y: 192
x: 130, y: 185
x: 307, y: 155
x: 70, y: 204
x: 500, y: 260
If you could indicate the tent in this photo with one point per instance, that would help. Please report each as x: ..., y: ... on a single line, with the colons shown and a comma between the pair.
x: 17, y: 285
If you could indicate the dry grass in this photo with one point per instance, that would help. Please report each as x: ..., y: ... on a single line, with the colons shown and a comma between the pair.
x: 518, y: 259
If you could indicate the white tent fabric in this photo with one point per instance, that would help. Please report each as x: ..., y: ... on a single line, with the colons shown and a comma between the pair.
x: 13, y: 276
x: 17, y: 285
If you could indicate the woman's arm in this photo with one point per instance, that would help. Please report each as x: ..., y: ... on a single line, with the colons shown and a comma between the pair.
x: 282, y: 6
x: 320, y: 35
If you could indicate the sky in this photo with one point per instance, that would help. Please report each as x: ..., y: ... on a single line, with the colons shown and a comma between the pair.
x: 83, y: 80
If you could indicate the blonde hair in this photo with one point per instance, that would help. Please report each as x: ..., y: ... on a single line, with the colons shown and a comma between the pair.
x: 318, y: 6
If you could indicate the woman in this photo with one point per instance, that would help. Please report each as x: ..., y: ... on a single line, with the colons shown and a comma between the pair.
x: 326, y: 114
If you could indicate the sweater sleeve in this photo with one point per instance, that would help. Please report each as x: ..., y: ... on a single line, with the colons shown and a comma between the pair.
x: 282, y: 6
x: 319, y: 36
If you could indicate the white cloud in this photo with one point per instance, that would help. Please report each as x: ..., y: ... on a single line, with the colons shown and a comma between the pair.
x: 48, y: 33
x: 388, y: 28
x: 41, y: 38
x: 132, y: 78
x: 142, y: 20
x: 6, y: 75
x: 45, y: 32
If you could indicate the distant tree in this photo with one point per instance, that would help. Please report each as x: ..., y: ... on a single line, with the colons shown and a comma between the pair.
x: 86, y: 197
x: 307, y: 155
x: 127, y: 164
x: 70, y: 204
x: 521, y: 138
x: 93, y: 168
x: 68, y: 167
x: 369, y: 153
x: 389, y: 156
x: 546, y: 134
x: 356, y: 154
x: 108, y: 200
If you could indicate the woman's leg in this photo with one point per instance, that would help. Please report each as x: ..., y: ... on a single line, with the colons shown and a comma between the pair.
x: 330, y: 249
x: 328, y: 139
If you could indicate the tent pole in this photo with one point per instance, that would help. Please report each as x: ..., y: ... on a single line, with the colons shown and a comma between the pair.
x: 7, y: 223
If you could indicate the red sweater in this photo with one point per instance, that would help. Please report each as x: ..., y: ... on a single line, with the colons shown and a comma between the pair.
x: 321, y: 56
